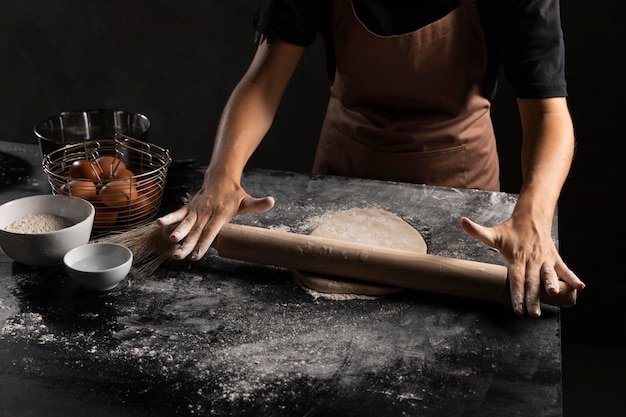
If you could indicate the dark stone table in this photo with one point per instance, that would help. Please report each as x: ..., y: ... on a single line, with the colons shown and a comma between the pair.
x: 229, y: 338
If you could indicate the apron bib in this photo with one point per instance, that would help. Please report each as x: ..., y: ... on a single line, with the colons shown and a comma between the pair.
x: 409, y: 107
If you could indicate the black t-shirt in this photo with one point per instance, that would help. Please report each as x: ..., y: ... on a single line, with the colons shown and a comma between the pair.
x: 523, y: 37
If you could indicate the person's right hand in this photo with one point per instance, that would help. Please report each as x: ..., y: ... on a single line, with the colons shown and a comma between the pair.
x: 199, y: 221
x: 245, y: 121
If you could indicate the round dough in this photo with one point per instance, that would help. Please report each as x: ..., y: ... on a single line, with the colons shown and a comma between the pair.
x: 367, y: 226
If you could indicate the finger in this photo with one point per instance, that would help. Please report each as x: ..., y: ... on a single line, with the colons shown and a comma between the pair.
x: 187, y: 233
x: 256, y: 205
x: 516, y: 284
x: 569, y: 276
x: 173, y: 217
x: 532, y: 285
x: 207, y: 237
x: 550, y: 280
x: 188, y: 244
x: 185, y: 229
x: 477, y: 231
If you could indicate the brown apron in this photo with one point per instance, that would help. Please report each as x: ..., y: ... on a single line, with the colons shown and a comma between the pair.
x: 408, y: 108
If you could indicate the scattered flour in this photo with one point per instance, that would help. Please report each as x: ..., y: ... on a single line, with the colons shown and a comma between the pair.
x: 336, y: 297
x: 27, y: 325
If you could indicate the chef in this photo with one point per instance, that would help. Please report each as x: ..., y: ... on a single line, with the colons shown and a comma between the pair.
x: 412, y: 84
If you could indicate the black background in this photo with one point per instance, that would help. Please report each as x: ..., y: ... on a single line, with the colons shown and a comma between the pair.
x: 177, y: 62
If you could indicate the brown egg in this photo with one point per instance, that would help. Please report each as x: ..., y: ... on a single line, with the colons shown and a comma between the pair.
x: 124, y: 173
x: 79, y: 188
x: 105, y: 216
x: 82, y: 168
x: 150, y: 189
x: 141, y: 207
x: 109, y: 164
x: 118, y: 193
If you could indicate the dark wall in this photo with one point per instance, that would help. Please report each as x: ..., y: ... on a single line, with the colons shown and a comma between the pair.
x: 177, y: 62
x: 593, y: 202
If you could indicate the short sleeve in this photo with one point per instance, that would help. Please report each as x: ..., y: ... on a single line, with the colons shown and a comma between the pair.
x: 293, y: 21
x: 531, y: 48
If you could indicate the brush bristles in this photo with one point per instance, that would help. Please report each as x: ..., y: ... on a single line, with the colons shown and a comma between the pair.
x: 149, y: 244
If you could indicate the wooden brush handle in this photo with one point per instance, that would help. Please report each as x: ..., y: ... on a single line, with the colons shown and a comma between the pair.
x: 394, y: 267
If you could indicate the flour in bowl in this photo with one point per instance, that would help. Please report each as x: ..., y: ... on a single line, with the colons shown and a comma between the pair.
x: 39, y: 223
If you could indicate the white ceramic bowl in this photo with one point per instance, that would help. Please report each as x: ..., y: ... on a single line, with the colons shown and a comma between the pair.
x: 45, y: 249
x: 98, y: 266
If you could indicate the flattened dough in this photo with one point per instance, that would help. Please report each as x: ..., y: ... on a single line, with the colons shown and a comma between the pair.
x: 368, y: 226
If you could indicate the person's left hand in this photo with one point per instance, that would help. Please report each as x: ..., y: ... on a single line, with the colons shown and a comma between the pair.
x: 531, y: 257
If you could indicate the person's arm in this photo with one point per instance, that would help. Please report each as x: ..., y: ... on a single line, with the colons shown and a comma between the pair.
x: 525, y: 239
x: 246, y: 119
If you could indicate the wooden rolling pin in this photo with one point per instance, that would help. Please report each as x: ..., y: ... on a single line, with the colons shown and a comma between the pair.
x: 394, y: 267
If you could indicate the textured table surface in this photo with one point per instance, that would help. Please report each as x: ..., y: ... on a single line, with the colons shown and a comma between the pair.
x: 229, y: 338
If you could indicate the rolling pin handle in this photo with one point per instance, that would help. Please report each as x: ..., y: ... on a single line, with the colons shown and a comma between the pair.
x: 565, y: 298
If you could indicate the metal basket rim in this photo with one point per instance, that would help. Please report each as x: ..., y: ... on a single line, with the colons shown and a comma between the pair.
x: 162, y: 155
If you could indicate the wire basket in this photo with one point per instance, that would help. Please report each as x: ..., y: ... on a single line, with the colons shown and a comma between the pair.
x: 122, y: 177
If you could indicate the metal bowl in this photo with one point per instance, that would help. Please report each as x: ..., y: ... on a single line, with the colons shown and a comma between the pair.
x: 71, y: 127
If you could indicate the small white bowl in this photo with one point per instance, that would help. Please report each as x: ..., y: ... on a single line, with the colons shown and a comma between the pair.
x: 98, y: 266
x: 48, y: 248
